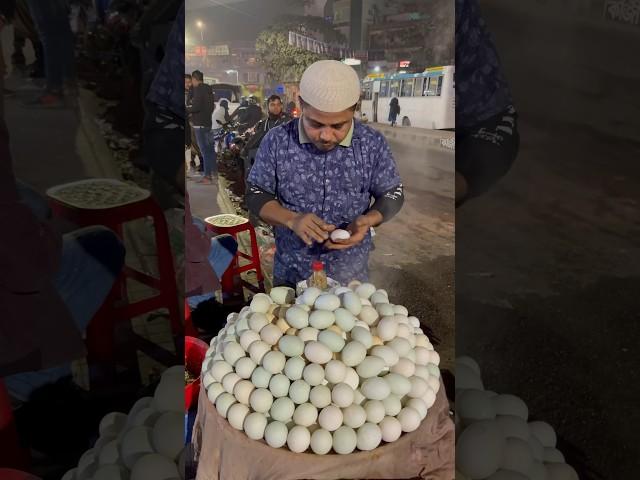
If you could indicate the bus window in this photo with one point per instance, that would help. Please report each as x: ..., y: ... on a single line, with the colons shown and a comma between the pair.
x: 384, y: 89
x: 407, y: 87
x: 430, y: 88
x: 394, y: 87
x: 439, y: 89
x: 417, y: 89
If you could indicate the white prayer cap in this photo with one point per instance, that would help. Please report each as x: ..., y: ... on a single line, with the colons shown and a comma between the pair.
x: 330, y: 86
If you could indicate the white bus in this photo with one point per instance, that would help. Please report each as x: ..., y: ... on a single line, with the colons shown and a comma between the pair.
x: 427, y: 99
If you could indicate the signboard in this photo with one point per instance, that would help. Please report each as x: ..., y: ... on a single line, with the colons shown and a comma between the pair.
x: 313, y: 45
x: 219, y: 50
x: 404, y: 63
x: 624, y: 11
x: 280, y: 89
x: 373, y: 76
x: 200, y: 50
x: 376, y: 87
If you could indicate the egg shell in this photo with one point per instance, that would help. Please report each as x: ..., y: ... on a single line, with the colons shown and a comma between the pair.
x: 330, y: 418
x: 136, y: 443
x: 400, y: 345
x: 421, y: 355
x: 513, y: 427
x: 552, y: 455
x: 310, y: 295
x: 316, y: 352
x: 351, y: 378
x: 537, y: 450
x: 369, y: 437
x: 244, y: 367
x: 429, y: 398
x: 261, y: 400
x: 474, y: 405
x: 398, y: 384
x: 154, y: 466
x: 113, y: 423
x: 87, y: 465
x: 298, y: 439
x: 342, y: 395
x: 299, y: 392
x: 260, y: 377
x: 214, y: 391
x: 257, y: 321
x: 110, y: 453
x: 167, y: 435
x: 320, y: 396
x: 511, y: 405
x: 282, y: 324
x: 282, y: 295
x: 273, y: 362
x: 257, y: 350
x: 467, y: 378
x: 220, y: 368
x: 358, y: 397
x: 362, y: 335
x: 237, y: 414
x: 331, y: 340
x: 308, y: 334
x: 313, y: 374
x: 404, y: 367
x: 335, y: 371
x: 260, y: 303
x: 279, y: 385
x: 305, y: 414
x: 223, y: 402
x: 294, y: 367
x: 371, y: 366
x: 365, y: 290
x: 434, y: 357
x: 418, y: 387
x: 254, y: 425
x: 392, y: 405
x: 544, y: 433
x: 418, y: 405
x: 375, y: 411
x: 517, y: 456
x: 386, y: 353
x: 247, y: 338
x: 321, y: 319
x: 270, y: 334
x: 479, y: 449
x: 434, y: 371
x: 327, y: 302
x: 368, y: 315
x: 144, y: 402
x: 282, y: 409
x: 339, y: 234
x: 390, y: 429
x: 360, y: 323
x: 387, y: 328
x: 275, y: 434
x: 385, y: 310
x: 229, y: 381
x: 405, y: 331
x: 354, y: 416
x: 297, y: 317
x: 353, y: 353
x: 321, y: 441
x: 345, y: 440
x: 242, y: 391
x: 208, y: 379
x: 351, y: 303
x: 353, y: 284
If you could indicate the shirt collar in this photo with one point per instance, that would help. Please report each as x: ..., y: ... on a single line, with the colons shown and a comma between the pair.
x: 302, y: 135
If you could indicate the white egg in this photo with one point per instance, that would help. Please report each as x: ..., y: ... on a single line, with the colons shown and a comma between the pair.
x: 362, y: 335
x: 110, y: 453
x: 511, y: 405
x: 517, y: 456
x: 145, y: 402
x: 421, y: 356
x: 275, y: 434
x: 327, y: 302
x: 400, y: 310
x: 365, y: 290
x: 236, y: 415
x: 279, y: 385
x: 375, y: 388
x: 400, y: 345
x: 103, y: 440
x: 260, y: 377
x: 136, y: 443
x: 537, y: 450
x: 244, y: 367
x: 552, y: 455
x: 169, y: 394
x: 351, y: 378
x: 310, y: 294
x: 270, y: 334
x: 513, y: 427
x: 405, y: 331
x: 384, y: 309
x: 344, y: 440
x: 342, y: 395
x: 282, y: 295
x: 297, y: 317
x: 321, y: 319
x: 305, y: 414
x: 257, y: 321
x: 229, y: 381
x: 321, y: 441
x: 379, y: 299
x: 87, y: 465
x: 298, y: 439
x: 404, y: 367
x: 353, y: 353
x: 375, y: 411
x: 294, y: 367
x: 254, y: 425
x: 467, y: 378
x: 320, y: 396
x: 330, y: 418
x: 388, y: 354
x: 467, y: 361
x: 308, y: 334
x: 371, y: 366
x: 261, y: 400
x: 418, y: 405
x: 106, y: 472
x: 316, y: 352
x: 247, y: 338
x: 154, y: 466
x: 257, y: 350
x: 390, y: 429
x: 387, y: 328
x: 434, y: 357
x: 392, y: 405
x: 145, y: 418
x: 358, y: 397
x: 398, y: 384
x: 291, y: 345
x: 352, y: 303
x: 354, y: 416
x: 434, y: 371
x: 273, y: 362
x: 429, y: 398
x: 167, y: 435
x: 560, y: 471
x: 418, y: 387
x: 313, y: 374
x: 282, y: 409
x: 299, y: 392
x: 331, y: 340
x: 360, y: 323
x: 369, y: 437
x: 335, y: 371
x: 409, y: 419
x: 223, y: 402
x: 368, y: 315
x: 112, y: 423
x: 479, y: 449
x: 544, y: 433
x: 344, y: 319
x: 339, y: 234
x: 242, y: 391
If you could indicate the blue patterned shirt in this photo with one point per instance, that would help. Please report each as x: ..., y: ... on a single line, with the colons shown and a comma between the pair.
x: 481, y: 88
x: 337, y: 186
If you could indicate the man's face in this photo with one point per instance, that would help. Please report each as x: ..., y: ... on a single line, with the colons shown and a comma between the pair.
x: 275, y: 107
x: 187, y: 83
x: 326, y: 130
x: 195, y: 81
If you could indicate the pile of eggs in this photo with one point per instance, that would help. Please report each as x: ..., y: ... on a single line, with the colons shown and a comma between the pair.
x: 343, y: 370
x: 146, y: 443
x: 495, y: 441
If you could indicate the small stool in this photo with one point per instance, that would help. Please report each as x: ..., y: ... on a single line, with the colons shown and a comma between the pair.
x: 113, y: 203
x: 11, y: 454
x: 232, y: 282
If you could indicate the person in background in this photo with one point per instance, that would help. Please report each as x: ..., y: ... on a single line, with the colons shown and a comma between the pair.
x: 487, y: 138
x: 201, y: 111
x: 275, y: 118
x: 254, y: 112
x: 241, y: 114
x: 321, y: 172
x: 24, y: 29
x: 394, y: 111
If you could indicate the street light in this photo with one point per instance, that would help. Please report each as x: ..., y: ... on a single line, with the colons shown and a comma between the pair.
x: 376, y: 68
x: 236, y: 72
x: 200, y: 25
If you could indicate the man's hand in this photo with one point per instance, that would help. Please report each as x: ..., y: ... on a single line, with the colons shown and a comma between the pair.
x: 358, y: 230
x: 310, y: 228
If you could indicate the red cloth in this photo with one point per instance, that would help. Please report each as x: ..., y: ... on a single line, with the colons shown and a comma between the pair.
x: 199, y: 276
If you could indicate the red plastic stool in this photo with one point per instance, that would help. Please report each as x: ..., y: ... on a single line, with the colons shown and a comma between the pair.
x: 113, y: 203
x: 11, y: 454
x: 232, y: 283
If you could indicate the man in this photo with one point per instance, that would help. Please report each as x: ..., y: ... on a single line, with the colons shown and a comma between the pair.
x: 486, y: 121
x: 321, y: 172
x: 201, y: 110
x: 189, y: 135
x: 241, y: 114
x: 275, y: 118
x: 254, y: 112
